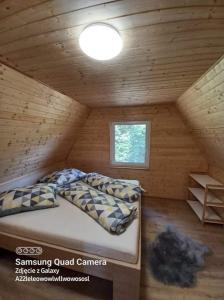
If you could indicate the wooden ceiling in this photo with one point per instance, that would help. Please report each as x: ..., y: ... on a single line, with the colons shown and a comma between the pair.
x: 168, y: 44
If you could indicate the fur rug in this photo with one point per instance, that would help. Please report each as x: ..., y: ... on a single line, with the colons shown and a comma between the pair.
x: 175, y: 258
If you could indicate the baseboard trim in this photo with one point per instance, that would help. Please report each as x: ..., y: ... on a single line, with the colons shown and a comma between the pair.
x: 146, y: 198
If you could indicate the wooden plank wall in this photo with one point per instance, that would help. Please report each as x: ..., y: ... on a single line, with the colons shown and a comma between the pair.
x: 202, y: 106
x: 37, y: 124
x: 173, y: 152
x: 216, y: 172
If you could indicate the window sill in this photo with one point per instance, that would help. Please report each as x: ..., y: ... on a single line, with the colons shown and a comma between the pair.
x: 129, y: 167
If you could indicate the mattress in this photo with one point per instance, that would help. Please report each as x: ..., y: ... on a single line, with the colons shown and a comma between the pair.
x: 71, y: 228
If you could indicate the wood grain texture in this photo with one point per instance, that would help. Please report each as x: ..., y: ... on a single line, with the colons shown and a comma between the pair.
x: 37, y: 124
x: 173, y: 153
x: 157, y: 214
x: 202, y: 106
x: 217, y: 173
x: 167, y: 46
x: 30, y: 178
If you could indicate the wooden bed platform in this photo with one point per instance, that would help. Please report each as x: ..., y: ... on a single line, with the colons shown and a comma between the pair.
x: 125, y: 276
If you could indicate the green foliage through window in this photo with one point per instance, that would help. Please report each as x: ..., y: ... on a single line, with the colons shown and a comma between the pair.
x: 130, y: 143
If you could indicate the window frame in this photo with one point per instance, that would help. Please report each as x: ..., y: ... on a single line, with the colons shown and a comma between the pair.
x: 115, y: 164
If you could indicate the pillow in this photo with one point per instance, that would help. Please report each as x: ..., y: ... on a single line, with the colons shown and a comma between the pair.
x: 38, y: 196
x: 120, y: 189
x: 63, y: 177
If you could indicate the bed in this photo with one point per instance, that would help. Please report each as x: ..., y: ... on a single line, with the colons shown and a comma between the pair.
x: 66, y: 232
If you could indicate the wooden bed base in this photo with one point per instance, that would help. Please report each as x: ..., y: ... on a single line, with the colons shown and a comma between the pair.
x: 125, y: 276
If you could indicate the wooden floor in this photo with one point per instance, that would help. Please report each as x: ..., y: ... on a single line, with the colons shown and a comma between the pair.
x: 156, y: 215
x: 210, y: 284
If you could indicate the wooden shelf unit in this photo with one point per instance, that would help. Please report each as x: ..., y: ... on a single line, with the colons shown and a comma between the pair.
x: 202, y: 199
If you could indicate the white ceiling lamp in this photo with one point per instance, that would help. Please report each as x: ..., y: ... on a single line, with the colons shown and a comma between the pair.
x: 100, y: 41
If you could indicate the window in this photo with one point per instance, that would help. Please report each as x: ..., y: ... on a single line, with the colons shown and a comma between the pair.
x: 129, y: 144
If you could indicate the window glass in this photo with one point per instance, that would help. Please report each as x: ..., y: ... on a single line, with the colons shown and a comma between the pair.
x: 130, y: 143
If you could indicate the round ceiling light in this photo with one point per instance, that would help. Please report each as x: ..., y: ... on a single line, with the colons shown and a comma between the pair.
x: 100, y: 41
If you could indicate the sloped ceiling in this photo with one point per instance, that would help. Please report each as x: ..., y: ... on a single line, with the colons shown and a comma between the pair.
x: 37, y: 125
x: 168, y: 44
x: 202, y: 105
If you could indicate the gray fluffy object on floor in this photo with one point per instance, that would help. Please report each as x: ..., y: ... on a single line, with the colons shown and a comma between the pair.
x: 175, y: 258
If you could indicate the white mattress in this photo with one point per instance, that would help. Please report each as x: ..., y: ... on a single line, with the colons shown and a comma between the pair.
x: 69, y: 227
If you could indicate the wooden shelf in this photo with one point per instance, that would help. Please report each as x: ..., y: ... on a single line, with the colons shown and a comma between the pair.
x: 207, y: 198
x: 212, y: 200
x: 210, y: 215
x: 204, y: 180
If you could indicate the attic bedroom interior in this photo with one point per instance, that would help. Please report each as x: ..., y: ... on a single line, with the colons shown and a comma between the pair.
x: 112, y: 149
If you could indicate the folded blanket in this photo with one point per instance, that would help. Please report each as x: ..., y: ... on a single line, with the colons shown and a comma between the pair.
x: 111, y: 213
x: 120, y: 189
